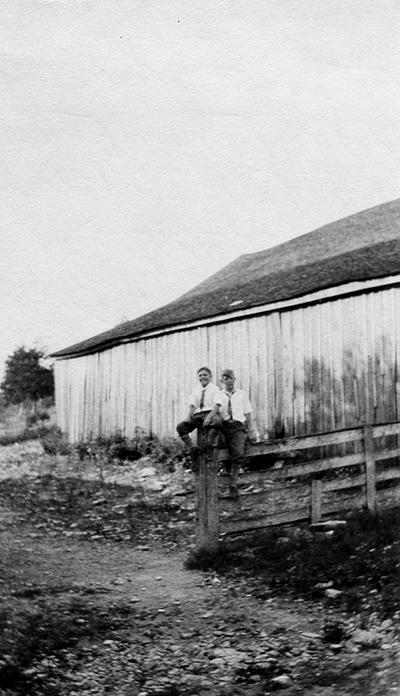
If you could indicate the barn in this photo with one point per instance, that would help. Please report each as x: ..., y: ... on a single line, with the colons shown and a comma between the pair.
x: 311, y: 328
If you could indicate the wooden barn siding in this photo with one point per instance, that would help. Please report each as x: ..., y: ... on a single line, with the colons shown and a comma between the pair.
x: 323, y: 367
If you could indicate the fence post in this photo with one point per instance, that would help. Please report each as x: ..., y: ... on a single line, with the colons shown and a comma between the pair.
x: 207, y: 527
x: 316, y: 490
x: 370, y: 474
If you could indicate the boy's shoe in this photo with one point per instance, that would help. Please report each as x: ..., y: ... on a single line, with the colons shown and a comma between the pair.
x: 195, y: 457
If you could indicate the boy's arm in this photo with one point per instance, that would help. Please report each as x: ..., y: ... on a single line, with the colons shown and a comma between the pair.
x: 211, y: 414
x: 191, y: 412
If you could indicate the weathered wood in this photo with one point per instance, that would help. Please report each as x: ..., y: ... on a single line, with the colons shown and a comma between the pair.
x: 370, y: 467
x: 278, y: 369
x: 390, y: 496
x: 273, y: 494
x: 316, y: 490
x: 244, y: 509
x: 291, y: 444
x: 294, y: 515
x: 365, y: 328
x: 298, y: 376
x: 287, y: 375
x: 388, y: 474
x: 207, y: 532
x: 386, y: 429
x: 289, y: 516
x: 389, y: 453
x: 294, y: 470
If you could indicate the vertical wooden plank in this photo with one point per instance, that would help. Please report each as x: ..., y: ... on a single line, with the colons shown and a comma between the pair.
x: 316, y: 416
x: 128, y: 389
x: 124, y: 394
x: 396, y: 292
x: 212, y: 353
x: 348, y: 309
x: 207, y: 524
x: 89, y: 398
x: 316, y: 491
x: 307, y: 368
x: 238, y: 354
x: 229, y: 354
x: 252, y: 387
x: 287, y: 374
x: 298, y: 375
x: 379, y: 320
x: 84, y: 406
x: 148, y: 422
x: 370, y: 473
x: 203, y: 358
x: 324, y: 371
x: 361, y: 358
x: 389, y: 356
x: 270, y: 365
x: 264, y: 377
x: 157, y: 376
x: 278, y: 372
x: 371, y: 380
x: 114, y: 378
x: 181, y: 397
x: 388, y: 362
x: 257, y: 386
x: 330, y: 348
x: 173, y: 352
x: 338, y: 368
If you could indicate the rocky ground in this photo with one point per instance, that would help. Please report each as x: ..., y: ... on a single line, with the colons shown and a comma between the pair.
x: 95, y: 599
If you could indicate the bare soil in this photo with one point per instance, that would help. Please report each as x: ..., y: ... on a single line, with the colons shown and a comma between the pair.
x: 178, y: 631
x: 90, y: 606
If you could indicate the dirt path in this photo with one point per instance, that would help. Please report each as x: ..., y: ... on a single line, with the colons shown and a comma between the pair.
x: 166, y: 630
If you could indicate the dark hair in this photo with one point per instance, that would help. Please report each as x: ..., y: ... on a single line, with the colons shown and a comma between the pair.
x: 207, y: 369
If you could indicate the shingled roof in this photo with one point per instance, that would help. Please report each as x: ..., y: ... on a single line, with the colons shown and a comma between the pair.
x: 359, y: 247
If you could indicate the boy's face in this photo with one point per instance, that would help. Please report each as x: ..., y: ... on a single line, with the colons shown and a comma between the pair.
x: 204, y: 378
x: 228, y: 383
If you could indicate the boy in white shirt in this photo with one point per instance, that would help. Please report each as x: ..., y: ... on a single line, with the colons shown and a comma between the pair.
x: 234, y: 408
x: 201, y: 402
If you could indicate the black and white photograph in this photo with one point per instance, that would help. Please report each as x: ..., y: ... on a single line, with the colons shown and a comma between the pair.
x: 200, y: 348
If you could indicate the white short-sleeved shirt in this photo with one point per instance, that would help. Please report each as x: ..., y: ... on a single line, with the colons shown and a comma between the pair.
x: 240, y: 405
x: 211, y: 397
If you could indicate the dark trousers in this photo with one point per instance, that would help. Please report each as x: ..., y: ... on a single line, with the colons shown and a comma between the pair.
x: 186, y: 427
x: 236, y: 436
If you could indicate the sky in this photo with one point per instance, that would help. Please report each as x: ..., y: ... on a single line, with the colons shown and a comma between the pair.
x: 144, y: 145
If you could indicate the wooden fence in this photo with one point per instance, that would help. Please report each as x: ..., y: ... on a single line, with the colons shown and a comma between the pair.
x: 297, y: 487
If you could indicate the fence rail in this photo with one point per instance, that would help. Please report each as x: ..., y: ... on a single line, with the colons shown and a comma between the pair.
x: 300, y: 490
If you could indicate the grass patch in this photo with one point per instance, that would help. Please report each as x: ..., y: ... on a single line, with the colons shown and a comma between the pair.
x: 362, y: 560
x: 27, y: 636
x: 23, y: 436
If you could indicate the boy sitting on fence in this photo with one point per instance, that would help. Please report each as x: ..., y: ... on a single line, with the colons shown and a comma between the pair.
x: 232, y: 412
x: 201, y: 402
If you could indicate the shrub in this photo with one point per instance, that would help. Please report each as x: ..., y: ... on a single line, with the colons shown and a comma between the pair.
x: 53, y: 441
x: 23, y: 436
x: 165, y: 451
x: 34, y: 418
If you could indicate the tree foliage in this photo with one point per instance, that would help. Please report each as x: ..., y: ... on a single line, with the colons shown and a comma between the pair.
x: 26, y: 378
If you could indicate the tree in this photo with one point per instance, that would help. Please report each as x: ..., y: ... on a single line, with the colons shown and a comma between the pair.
x: 26, y: 378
